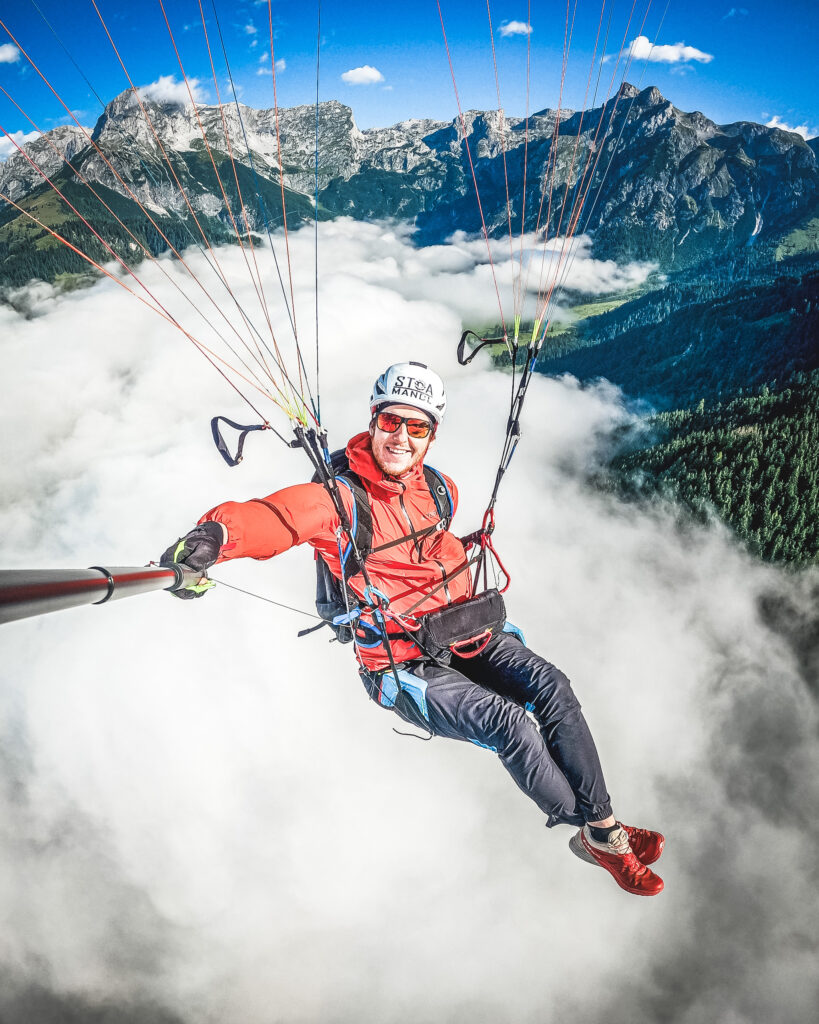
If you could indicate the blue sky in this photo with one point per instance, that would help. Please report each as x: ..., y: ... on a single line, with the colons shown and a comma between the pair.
x: 749, y: 61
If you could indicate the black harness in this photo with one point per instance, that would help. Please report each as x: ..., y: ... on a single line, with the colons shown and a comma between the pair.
x: 336, y: 602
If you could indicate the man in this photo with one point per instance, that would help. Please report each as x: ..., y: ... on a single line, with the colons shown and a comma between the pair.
x: 497, y: 693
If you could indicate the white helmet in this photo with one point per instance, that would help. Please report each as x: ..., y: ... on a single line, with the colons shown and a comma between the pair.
x: 410, y: 384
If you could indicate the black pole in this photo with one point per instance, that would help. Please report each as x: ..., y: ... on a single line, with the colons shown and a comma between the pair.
x: 26, y: 592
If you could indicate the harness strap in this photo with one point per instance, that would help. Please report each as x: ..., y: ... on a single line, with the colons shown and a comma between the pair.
x: 450, y: 576
x: 410, y: 536
x: 363, y: 525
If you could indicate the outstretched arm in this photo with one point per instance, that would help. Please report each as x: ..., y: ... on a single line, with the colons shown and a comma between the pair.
x: 259, y: 528
x: 264, y: 527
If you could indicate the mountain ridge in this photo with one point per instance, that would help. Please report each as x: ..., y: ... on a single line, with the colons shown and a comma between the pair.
x: 663, y: 184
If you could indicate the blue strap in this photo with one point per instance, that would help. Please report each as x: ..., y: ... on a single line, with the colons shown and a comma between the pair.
x: 509, y: 627
x: 347, y: 619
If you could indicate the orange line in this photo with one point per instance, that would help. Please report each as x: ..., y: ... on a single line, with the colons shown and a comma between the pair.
x: 226, y: 132
x: 259, y: 295
x: 474, y: 179
x: 582, y: 114
x: 502, y: 126
x: 159, y: 144
x: 165, y: 316
x: 551, y: 163
x: 133, y: 195
x: 170, y: 166
x: 282, y: 185
x: 574, y: 151
x: 147, y: 252
x: 574, y: 219
x: 521, y: 286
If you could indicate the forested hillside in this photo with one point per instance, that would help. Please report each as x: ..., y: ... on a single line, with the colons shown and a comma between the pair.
x: 753, y: 460
x: 708, y: 338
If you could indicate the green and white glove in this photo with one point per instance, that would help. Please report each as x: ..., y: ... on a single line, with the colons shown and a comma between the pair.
x: 197, y: 550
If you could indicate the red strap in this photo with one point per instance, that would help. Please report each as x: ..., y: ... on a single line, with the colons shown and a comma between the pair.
x: 482, y: 639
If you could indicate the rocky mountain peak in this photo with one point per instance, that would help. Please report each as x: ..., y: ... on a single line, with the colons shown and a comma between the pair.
x: 650, y: 97
x: 627, y: 91
x: 664, y: 185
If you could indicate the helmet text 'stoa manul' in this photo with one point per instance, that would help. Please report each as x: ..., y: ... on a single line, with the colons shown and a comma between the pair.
x: 410, y: 384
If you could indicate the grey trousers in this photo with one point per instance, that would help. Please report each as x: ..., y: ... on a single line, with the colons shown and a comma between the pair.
x: 518, y: 705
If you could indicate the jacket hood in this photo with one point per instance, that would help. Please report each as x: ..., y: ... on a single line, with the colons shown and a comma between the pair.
x: 362, y: 461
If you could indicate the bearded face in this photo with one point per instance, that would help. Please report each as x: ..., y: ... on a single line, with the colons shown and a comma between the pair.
x: 399, y: 452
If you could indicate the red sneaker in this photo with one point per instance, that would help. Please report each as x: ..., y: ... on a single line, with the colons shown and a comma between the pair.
x: 617, y: 857
x: 645, y: 844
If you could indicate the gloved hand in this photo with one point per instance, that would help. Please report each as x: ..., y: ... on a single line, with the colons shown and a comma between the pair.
x: 197, y: 550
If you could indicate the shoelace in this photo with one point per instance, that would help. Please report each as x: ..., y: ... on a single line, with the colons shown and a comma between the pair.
x: 618, y: 842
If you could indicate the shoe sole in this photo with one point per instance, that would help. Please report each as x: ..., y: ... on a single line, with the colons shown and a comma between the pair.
x: 579, y: 850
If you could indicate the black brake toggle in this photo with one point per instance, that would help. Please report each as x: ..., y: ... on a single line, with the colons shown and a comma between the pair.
x: 483, y: 343
x: 221, y: 444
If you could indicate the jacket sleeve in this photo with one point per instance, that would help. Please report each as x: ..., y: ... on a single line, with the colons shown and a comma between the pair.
x: 264, y: 527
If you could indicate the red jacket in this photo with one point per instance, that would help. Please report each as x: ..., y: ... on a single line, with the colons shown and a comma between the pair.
x: 304, y: 513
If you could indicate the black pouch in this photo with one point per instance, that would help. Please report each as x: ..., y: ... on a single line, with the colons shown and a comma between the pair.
x: 463, y: 629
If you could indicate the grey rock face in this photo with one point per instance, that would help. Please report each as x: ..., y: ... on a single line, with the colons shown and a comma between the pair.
x: 17, y: 176
x: 647, y: 180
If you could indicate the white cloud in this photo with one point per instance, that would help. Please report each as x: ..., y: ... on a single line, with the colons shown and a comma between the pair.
x: 515, y: 28
x: 734, y: 12
x: 669, y: 53
x: 166, y: 89
x: 458, y: 274
x: 9, y: 54
x: 800, y: 129
x: 250, y: 29
x: 190, y: 786
x: 7, y: 147
x: 365, y: 75
x: 265, y: 69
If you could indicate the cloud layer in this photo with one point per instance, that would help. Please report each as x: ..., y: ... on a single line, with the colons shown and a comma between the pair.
x: 203, y: 819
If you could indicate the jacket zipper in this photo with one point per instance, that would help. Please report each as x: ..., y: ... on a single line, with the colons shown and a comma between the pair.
x: 418, y: 546
x: 413, y: 531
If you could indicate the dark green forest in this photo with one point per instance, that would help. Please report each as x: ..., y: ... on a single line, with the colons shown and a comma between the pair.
x: 28, y: 252
x: 729, y: 358
x: 706, y: 339
x: 754, y: 461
